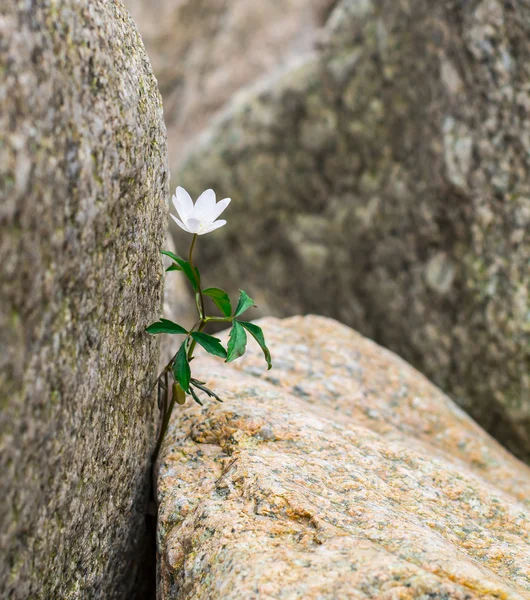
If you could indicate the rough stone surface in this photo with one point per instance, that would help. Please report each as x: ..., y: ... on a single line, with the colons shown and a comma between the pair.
x: 203, y: 51
x: 341, y: 473
x: 386, y: 183
x: 82, y: 217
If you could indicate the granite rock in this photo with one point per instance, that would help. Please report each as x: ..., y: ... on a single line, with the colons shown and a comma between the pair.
x: 83, y: 185
x: 386, y: 183
x: 341, y: 473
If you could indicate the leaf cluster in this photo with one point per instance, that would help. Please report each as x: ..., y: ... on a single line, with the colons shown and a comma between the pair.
x: 237, y: 342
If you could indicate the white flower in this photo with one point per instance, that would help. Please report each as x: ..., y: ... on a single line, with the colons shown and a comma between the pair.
x: 198, y: 218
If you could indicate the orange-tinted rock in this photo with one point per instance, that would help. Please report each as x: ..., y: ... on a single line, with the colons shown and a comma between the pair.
x: 341, y: 473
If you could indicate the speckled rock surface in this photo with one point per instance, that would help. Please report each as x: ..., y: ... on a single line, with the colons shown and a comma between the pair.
x: 386, y: 183
x: 341, y: 473
x: 196, y: 47
x: 83, y: 182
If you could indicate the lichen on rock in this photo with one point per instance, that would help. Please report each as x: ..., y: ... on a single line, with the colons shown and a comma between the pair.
x: 341, y: 473
x: 83, y: 172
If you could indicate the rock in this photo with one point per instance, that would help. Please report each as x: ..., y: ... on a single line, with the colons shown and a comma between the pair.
x: 386, y: 183
x: 84, y: 179
x: 341, y: 473
x: 196, y: 49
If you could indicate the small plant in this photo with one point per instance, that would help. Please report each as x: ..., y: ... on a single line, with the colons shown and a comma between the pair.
x: 198, y: 219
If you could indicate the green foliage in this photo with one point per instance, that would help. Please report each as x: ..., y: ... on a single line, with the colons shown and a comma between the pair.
x: 170, y: 254
x: 192, y: 273
x: 180, y: 363
x: 181, y: 367
x: 197, y: 275
x: 195, y: 397
x: 178, y: 394
x: 245, y: 302
x: 237, y: 342
x: 209, y: 343
x: 165, y: 326
x: 201, y: 386
x: 257, y: 334
x: 220, y: 298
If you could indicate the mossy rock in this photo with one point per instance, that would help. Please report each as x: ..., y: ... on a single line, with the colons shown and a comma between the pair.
x: 83, y: 172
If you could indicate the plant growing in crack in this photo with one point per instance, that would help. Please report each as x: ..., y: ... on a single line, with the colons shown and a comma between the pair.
x: 199, y: 219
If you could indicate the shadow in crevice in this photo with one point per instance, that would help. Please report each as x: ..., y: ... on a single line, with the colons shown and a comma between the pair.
x: 149, y: 561
x: 145, y: 559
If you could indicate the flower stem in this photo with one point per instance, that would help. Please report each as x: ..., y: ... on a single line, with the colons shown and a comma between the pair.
x: 199, y: 326
x: 218, y: 319
x: 190, y: 256
x: 202, y: 325
x: 199, y: 297
x: 200, y: 303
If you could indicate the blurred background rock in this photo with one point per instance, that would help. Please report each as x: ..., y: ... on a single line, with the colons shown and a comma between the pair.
x: 379, y: 169
x: 204, y: 51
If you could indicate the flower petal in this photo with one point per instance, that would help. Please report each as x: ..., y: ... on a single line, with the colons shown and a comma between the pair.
x: 180, y: 223
x: 194, y: 225
x: 183, y: 203
x: 212, y: 227
x: 219, y: 208
x: 204, y: 206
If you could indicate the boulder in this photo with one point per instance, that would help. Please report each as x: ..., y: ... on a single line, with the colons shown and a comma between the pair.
x: 386, y: 183
x: 341, y: 473
x: 84, y: 179
x: 196, y: 47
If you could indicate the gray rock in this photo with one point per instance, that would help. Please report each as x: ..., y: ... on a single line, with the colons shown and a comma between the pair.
x: 82, y: 217
x: 196, y: 50
x: 386, y: 183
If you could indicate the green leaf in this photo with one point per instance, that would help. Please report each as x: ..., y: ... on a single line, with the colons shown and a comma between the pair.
x: 245, y: 302
x: 181, y: 368
x: 209, y: 343
x: 220, y: 298
x: 189, y: 272
x: 202, y: 386
x: 237, y: 342
x: 171, y: 255
x: 257, y: 334
x: 165, y: 326
x: 178, y: 394
x: 173, y: 267
x: 195, y: 397
x: 192, y: 273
